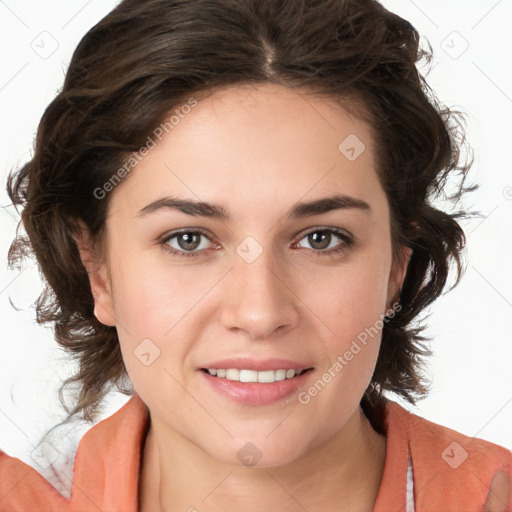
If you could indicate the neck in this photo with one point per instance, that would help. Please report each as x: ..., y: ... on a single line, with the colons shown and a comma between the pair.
x: 343, y: 473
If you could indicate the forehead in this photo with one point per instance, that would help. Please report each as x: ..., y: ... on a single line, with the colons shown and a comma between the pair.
x: 269, y: 117
x: 261, y: 142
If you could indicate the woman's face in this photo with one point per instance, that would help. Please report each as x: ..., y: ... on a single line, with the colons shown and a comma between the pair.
x: 275, y: 277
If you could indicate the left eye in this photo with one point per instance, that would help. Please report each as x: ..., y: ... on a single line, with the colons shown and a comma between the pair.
x: 321, y: 238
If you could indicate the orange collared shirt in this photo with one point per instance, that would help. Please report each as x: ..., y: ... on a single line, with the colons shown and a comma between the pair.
x: 450, y: 472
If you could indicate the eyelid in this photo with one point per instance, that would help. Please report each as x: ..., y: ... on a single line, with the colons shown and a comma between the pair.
x: 172, y: 234
x: 333, y: 229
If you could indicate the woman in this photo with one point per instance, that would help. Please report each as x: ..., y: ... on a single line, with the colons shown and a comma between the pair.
x: 230, y: 202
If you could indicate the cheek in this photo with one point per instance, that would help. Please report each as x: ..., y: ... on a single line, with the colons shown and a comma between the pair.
x: 139, y: 301
x: 150, y: 297
x: 154, y: 304
x: 350, y: 297
x: 147, y: 307
x: 351, y: 302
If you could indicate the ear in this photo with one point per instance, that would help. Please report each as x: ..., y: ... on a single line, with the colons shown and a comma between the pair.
x: 397, y: 274
x: 99, y: 278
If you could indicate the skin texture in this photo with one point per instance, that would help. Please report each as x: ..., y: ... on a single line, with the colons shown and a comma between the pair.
x: 256, y: 151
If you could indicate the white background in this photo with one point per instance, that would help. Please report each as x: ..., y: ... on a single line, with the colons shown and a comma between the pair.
x: 470, y: 326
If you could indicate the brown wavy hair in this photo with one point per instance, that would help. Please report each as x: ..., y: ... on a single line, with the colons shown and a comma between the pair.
x: 145, y: 58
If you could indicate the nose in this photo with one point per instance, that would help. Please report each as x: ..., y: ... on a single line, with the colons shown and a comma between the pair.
x: 258, y: 299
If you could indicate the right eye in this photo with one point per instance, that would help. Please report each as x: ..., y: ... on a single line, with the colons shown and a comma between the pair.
x: 186, y: 242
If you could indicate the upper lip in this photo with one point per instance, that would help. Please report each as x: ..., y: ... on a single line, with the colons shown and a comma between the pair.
x: 246, y: 363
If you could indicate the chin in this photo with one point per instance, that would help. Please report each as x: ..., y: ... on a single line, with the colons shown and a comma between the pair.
x: 259, y: 453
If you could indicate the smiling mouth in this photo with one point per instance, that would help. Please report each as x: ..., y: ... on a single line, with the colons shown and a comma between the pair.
x: 263, y: 377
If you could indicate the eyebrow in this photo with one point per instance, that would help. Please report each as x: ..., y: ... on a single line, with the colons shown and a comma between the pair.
x: 213, y: 211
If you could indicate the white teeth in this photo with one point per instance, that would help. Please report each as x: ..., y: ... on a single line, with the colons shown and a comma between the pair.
x: 264, y: 376
x: 280, y: 374
x: 267, y: 376
x: 248, y: 376
x: 233, y: 374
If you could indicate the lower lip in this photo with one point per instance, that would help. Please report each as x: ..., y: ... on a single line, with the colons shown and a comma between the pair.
x: 255, y: 393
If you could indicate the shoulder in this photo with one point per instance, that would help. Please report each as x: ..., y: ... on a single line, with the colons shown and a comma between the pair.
x: 22, y: 488
x: 438, y: 443
x: 452, y: 469
x: 103, y: 468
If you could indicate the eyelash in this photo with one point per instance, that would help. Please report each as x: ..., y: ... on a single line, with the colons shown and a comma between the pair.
x: 347, y: 243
